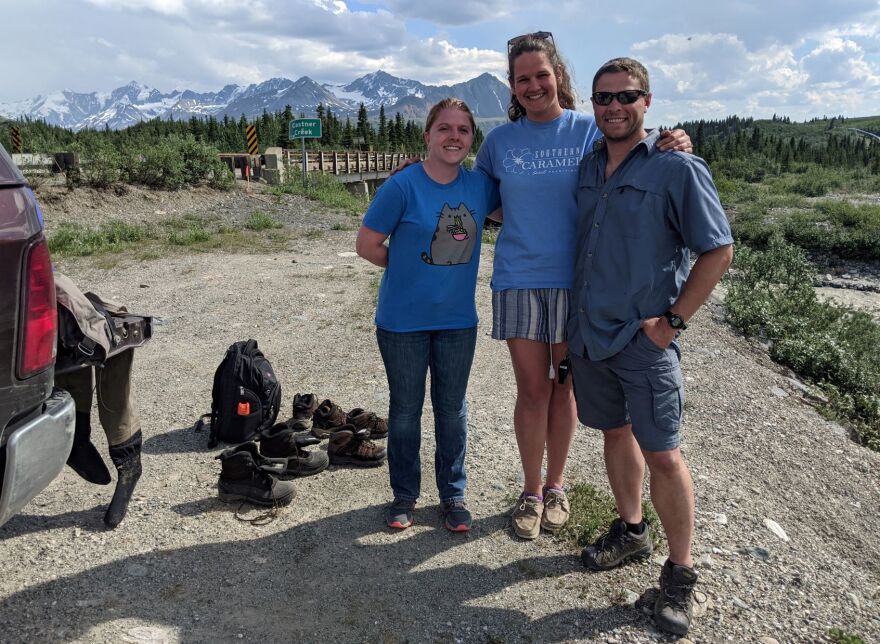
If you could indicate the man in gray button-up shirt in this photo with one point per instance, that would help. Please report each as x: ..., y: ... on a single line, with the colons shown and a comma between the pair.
x: 641, y: 215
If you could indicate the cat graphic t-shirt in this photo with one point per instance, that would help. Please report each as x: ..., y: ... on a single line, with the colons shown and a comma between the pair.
x: 434, y: 234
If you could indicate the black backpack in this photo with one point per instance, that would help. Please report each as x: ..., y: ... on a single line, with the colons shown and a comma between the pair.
x: 246, y: 395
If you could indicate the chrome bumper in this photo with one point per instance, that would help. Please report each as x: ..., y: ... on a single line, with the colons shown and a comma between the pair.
x: 36, y: 452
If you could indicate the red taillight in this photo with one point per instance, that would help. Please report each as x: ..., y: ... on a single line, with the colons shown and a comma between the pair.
x: 40, y: 316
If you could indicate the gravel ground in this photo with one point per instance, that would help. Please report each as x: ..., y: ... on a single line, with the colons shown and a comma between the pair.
x: 182, y: 568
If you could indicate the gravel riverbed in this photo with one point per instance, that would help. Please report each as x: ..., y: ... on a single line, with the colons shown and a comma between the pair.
x: 787, y: 505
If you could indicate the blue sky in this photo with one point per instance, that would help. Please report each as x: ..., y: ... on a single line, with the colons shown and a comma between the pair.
x: 707, y: 59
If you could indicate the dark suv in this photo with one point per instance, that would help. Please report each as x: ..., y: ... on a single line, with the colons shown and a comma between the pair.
x: 36, y: 420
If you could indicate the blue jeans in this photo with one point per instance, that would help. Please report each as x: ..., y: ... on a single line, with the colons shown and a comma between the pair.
x: 448, y: 354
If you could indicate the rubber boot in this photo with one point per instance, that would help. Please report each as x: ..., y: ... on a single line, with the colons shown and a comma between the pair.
x: 127, y: 459
x: 84, y: 458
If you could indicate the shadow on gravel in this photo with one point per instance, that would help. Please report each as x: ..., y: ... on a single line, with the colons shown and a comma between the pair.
x: 87, y: 520
x: 334, y: 579
x: 178, y: 441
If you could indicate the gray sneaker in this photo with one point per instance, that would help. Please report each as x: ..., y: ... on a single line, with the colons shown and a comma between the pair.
x: 674, y: 608
x: 617, y: 546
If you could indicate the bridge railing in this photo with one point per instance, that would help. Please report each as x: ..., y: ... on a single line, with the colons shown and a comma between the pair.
x: 346, y: 161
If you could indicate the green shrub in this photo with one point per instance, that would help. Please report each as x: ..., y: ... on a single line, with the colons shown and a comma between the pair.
x: 815, y: 181
x: 260, y: 220
x: 770, y: 295
x: 170, y: 164
x: 734, y: 190
x: 840, y: 636
x: 751, y: 169
x: 102, y: 167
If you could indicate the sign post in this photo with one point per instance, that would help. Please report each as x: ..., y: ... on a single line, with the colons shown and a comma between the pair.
x: 304, y: 129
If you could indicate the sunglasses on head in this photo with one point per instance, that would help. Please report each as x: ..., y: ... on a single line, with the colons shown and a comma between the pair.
x: 537, y: 35
x: 625, y: 97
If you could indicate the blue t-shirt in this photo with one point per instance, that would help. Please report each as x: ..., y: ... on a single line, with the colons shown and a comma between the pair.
x: 536, y: 165
x: 434, y: 248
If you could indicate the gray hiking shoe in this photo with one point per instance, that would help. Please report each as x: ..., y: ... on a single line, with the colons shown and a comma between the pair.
x: 674, y: 607
x: 617, y: 546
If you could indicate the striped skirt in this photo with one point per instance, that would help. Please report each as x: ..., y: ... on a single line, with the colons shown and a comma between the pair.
x: 533, y: 314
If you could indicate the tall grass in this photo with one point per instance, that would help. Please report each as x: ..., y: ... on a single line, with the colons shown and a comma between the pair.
x: 324, y: 189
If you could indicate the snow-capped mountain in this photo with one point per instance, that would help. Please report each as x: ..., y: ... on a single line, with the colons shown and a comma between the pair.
x: 132, y: 103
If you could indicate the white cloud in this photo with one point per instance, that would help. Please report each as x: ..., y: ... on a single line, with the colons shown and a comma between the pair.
x: 837, y: 62
x: 451, y: 12
x: 440, y: 62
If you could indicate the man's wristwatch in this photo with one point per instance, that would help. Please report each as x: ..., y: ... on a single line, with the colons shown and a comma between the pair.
x: 675, y: 321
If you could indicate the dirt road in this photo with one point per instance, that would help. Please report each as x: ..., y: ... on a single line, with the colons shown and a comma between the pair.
x: 182, y: 568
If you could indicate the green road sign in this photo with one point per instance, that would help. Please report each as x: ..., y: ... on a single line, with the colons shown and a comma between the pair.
x: 304, y: 129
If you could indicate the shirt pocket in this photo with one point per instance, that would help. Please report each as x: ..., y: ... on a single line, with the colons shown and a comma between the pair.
x: 641, y: 206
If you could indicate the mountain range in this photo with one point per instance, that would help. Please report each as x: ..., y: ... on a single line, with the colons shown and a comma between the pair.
x: 486, y: 95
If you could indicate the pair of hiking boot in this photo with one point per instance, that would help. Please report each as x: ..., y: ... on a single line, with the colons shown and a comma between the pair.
x: 328, y: 417
x: 673, y: 607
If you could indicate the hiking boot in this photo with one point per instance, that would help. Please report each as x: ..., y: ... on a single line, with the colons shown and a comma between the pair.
x: 674, y: 607
x: 368, y: 420
x: 618, y: 545
x: 556, y: 509
x: 304, y: 405
x: 349, y: 446
x: 245, y: 475
x: 526, y: 516
x: 328, y: 417
x: 456, y: 516
x: 279, y: 441
x: 400, y: 514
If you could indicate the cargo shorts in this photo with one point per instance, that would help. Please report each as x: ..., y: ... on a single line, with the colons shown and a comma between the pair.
x: 641, y: 384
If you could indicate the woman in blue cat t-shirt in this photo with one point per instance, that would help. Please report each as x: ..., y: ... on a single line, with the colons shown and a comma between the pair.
x: 432, y: 214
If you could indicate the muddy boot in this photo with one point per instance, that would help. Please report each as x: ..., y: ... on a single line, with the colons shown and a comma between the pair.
x: 84, y: 458
x: 127, y: 459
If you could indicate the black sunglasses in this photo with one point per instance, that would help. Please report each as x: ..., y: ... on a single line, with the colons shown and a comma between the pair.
x: 625, y: 97
x: 537, y: 35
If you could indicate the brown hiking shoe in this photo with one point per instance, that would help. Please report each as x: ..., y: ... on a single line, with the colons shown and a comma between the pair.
x: 304, y: 405
x: 349, y: 446
x: 368, y: 420
x: 328, y: 417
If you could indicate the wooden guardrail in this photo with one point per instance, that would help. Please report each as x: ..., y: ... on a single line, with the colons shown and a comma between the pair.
x: 347, y: 161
